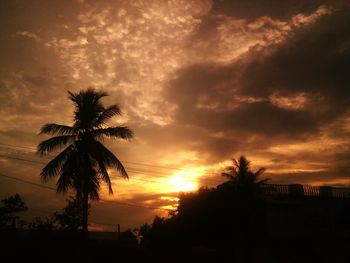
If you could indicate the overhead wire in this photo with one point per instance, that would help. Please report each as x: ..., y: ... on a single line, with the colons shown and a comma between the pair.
x: 137, y: 163
x: 104, y: 200
x: 137, y: 170
x: 132, y: 169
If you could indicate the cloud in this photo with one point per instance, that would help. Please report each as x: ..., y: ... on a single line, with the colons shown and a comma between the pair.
x: 282, y: 10
x: 222, y: 38
x: 308, y: 63
x: 31, y: 35
x: 199, y: 82
x: 287, y: 92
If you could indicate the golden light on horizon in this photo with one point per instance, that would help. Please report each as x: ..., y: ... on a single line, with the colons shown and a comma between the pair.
x: 182, y: 184
x: 186, y: 180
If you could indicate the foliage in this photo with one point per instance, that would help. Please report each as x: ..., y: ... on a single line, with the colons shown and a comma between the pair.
x: 83, y: 164
x: 71, y: 218
x: 8, y: 212
x: 233, y: 211
x: 242, y: 178
x: 45, y: 224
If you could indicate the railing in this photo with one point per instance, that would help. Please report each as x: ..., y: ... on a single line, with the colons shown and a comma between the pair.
x: 306, y: 190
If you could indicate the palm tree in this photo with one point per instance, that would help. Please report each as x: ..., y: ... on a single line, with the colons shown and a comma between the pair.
x: 83, y: 164
x: 247, y: 210
x: 241, y: 176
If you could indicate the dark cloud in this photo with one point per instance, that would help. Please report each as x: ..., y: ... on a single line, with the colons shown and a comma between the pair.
x: 206, y: 105
x: 253, y: 9
x: 235, y: 99
x: 314, y: 60
x: 328, y: 177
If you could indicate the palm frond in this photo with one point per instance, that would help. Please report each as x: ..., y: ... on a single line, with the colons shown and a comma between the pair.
x: 260, y: 172
x: 73, y: 96
x: 236, y: 164
x: 116, y: 132
x: 105, y: 176
x: 70, y: 174
x: 51, y: 144
x: 64, y: 182
x: 92, y: 93
x: 54, y: 167
x: 231, y: 170
x: 99, y: 152
x: 244, y: 164
x: 90, y: 179
x: 228, y: 175
x: 88, y: 107
x: 93, y: 185
x: 89, y: 94
x: 241, y: 174
x: 53, y: 128
x: 107, y: 113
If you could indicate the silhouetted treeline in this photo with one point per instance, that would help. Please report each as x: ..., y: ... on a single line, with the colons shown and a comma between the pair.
x: 232, y: 212
x: 245, y: 220
x: 210, y: 216
x: 10, y: 207
x: 230, y: 225
x: 69, y: 219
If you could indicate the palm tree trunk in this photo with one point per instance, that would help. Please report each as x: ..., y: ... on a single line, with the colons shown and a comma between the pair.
x: 85, y: 207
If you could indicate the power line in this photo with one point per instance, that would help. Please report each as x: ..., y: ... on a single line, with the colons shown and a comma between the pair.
x: 38, y: 162
x: 109, y: 201
x: 137, y: 163
x: 150, y: 165
x: 21, y: 159
x: 28, y: 182
x: 17, y: 146
x: 135, y: 170
x: 157, y: 173
x: 104, y: 200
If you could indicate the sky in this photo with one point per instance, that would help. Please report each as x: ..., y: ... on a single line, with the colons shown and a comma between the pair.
x: 200, y: 82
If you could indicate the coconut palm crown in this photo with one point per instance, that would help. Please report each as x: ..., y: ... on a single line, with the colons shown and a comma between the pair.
x: 83, y: 163
x: 241, y: 175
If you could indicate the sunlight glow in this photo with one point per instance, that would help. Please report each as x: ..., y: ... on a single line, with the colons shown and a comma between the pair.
x: 186, y: 180
x: 169, y: 207
x: 183, y: 184
x: 170, y: 198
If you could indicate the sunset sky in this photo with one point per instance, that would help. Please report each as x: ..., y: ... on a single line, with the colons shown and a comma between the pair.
x: 199, y: 82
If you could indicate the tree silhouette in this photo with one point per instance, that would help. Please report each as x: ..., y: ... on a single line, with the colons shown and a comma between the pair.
x: 241, y: 176
x: 45, y: 224
x: 83, y: 164
x: 11, y: 206
x: 70, y: 218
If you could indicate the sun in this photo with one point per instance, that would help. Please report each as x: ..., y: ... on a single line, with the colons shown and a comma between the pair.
x: 183, y: 184
x: 185, y: 180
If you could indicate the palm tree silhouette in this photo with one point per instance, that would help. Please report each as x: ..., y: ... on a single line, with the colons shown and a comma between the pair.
x: 83, y: 164
x: 241, y: 176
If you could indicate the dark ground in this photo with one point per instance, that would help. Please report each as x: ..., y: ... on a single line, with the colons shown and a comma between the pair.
x: 39, y: 247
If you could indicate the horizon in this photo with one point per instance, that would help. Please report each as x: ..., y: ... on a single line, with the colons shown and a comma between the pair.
x: 199, y: 82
